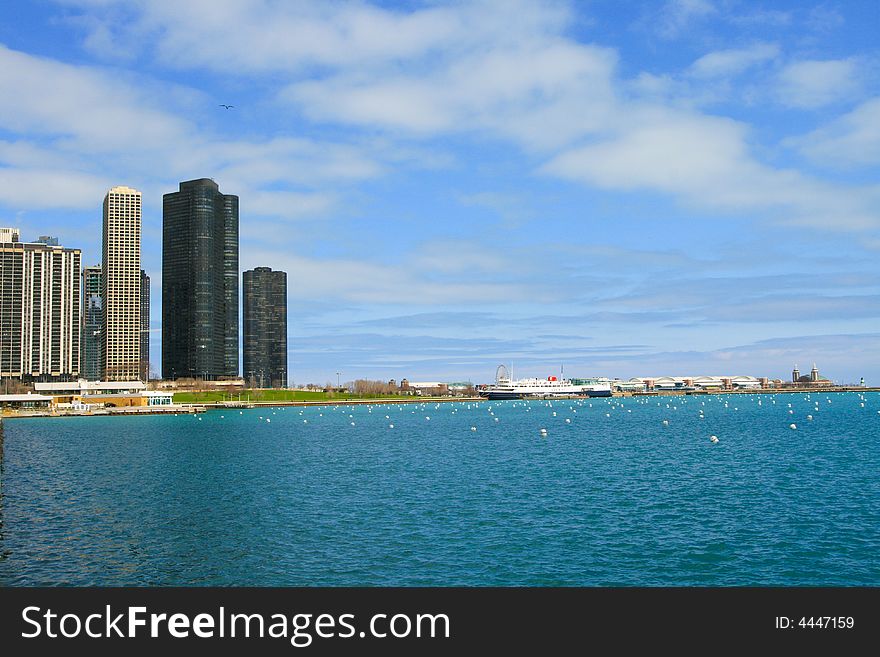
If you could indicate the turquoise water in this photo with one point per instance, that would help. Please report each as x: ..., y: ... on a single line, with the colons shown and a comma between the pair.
x: 613, y: 497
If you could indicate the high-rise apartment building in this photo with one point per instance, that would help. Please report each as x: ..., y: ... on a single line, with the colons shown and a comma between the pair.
x: 92, y: 318
x: 145, y: 326
x: 199, y: 282
x: 121, y: 285
x: 39, y: 309
x: 264, y: 295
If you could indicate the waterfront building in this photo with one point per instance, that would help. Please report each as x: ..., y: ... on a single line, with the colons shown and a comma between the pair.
x: 27, y: 401
x: 100, y: 394
x: 691, y: 383
x: 121, y: 285
x: 265, y: 327
x: 92, y: 318
x: 199, y: 282
x: 433, y: 388
x: 39, y: 309
x: 811, y: 379
x: 145, y: 326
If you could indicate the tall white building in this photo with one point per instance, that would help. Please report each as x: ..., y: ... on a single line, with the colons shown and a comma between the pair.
x: 121, y: 285
x: 39, y: 309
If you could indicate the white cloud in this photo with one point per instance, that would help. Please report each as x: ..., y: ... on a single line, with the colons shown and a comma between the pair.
x: 723, y: 63
x: 677, y: 16
x: 811, y: 84
x: 36, y: 188
x: 425, y: 72
x: 283, y: 204
x: 540, y: 94
x: 705, y: 161
x: 45, y: 97
x: 372, y: 283
x: 80, y: 128
x: 458, y: 257
x: 849, y: 141
x: 272, y: 35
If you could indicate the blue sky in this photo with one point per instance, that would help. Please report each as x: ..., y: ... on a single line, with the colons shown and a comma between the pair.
x: 682, y: 187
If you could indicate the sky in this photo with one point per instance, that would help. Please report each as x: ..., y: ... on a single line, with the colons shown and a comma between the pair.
x: 679, y: 187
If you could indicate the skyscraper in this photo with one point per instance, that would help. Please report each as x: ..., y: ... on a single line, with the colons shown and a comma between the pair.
x: 265, y: 327
x: 145, y: 326
x: 92, y: 316
x: 199, y: 282
x: 39, y: 309
x: 121, y: 285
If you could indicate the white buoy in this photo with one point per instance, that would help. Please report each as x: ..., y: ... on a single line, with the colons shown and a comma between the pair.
x: 352, y: 424
x: 473, y: 428
x: 665, y: 423
x: 714, y: 439
x: 792, y: 426
x: 390, y: 426
x: 810, y: 417
x: 268, y: 420
x: 567, y: 421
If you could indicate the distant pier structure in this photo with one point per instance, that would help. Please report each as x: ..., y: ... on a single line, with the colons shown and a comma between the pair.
x: 811, y: 379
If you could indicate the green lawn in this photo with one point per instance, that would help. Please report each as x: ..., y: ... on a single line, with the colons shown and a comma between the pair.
x: 269, y: 396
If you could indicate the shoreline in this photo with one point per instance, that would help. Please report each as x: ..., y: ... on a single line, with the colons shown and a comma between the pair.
x: 189, y: 409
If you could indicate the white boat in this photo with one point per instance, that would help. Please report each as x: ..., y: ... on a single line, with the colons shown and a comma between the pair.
x: 507, y: 388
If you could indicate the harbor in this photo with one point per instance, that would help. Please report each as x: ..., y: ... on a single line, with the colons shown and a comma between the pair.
x: 621, y: 491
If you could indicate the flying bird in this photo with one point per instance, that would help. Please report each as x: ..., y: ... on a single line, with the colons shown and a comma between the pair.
x: 226, y: 106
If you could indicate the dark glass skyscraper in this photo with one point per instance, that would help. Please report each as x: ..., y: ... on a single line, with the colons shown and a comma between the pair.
x: 199, y: 282
x: 93, y: 317
x: 145, y: 326
x: 265, y: 327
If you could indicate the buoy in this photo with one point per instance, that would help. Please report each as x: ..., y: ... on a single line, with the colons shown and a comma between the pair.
x: 714, y: 439
x: 352, y: 424
x: 810, y: 417
x: 390, y: 426
x: 665, y: 423
x: 567, y: 421
x: 473, y: 428
x: 268, y: 420
x: 792, y: 426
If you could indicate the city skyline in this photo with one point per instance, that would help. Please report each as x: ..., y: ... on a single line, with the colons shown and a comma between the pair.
x: 681, y: 187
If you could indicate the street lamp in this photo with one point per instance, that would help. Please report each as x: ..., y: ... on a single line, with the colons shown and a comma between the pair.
x: 337, y: 380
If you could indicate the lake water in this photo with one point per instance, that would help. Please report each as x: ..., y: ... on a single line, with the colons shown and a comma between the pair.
x: 611, y: 495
